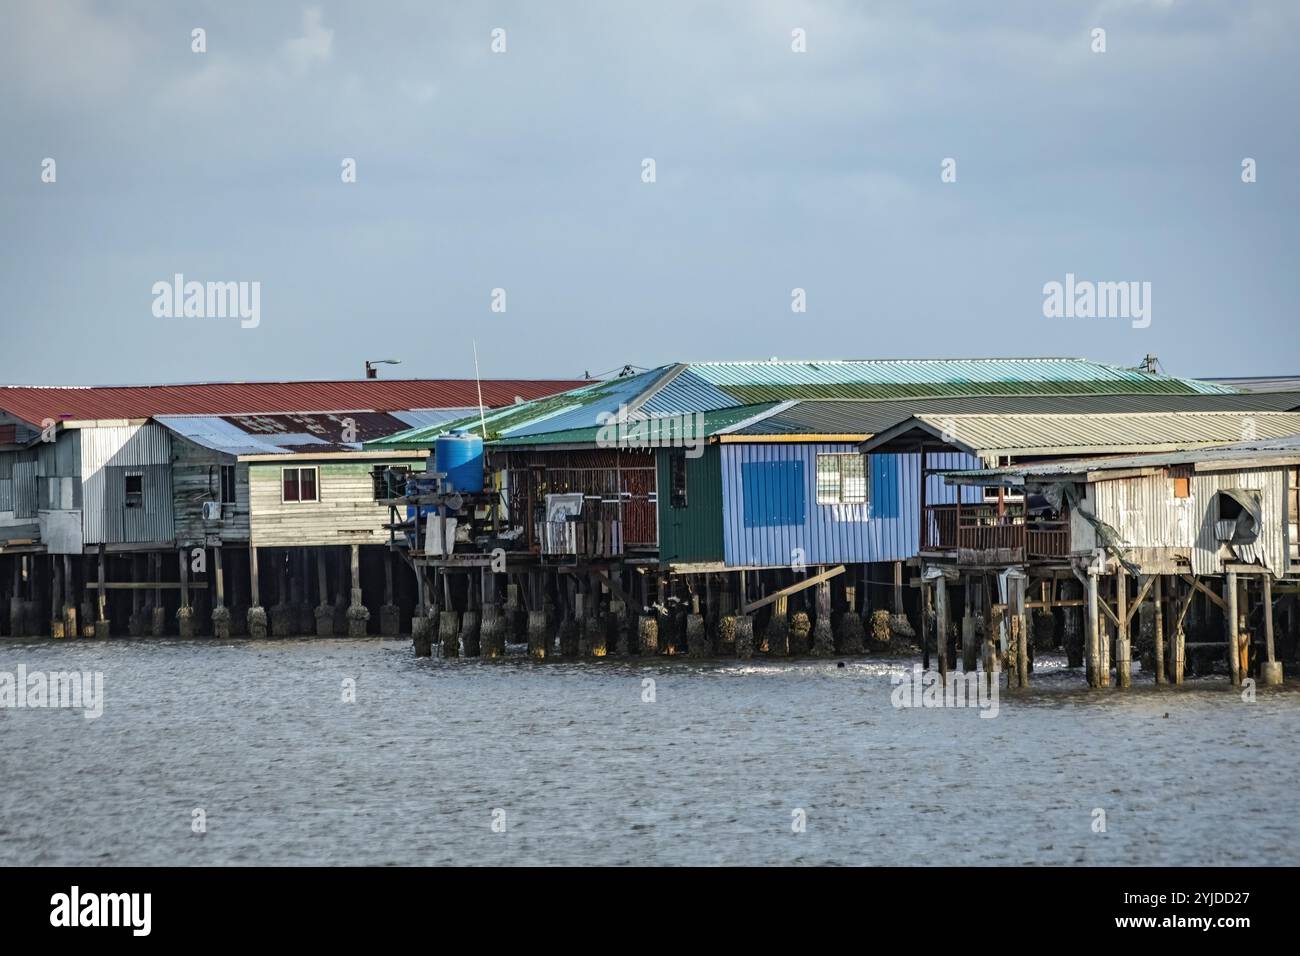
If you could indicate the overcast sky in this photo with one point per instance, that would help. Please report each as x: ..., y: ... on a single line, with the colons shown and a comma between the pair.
x: 523, y: 171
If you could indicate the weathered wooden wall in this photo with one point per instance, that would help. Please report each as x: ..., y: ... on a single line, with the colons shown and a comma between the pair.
x: 346, y: 513
x: 196, y: 478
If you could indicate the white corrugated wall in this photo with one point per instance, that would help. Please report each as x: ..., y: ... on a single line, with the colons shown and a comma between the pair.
x: 131, y: 446
x: 1270, y: 548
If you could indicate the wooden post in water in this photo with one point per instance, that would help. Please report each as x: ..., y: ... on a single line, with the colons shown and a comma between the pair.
x: 56, y: 600
x: 1232, y: 624
x: 390, y: 624
x: 1020, y: 620
x: 1158, y: 597
x: 70, y: 602
x: 185, y: 613
x: 1123, y: 645
x: 969, y: 652
x: 1271, y: 669
x: 324, y: 613
x: 101, y: 598
x: 358, y: 615
x: 254, y: 588
x: 925, y: 624
x: 1093, y: 631
x: 941, y: 626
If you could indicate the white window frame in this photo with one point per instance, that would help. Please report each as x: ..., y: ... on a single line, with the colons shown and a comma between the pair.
x: 300, y: 469
x: 839, y: 496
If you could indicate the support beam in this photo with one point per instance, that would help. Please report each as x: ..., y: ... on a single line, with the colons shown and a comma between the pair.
x: 1146, y: 581
x: 1223, y: 606
x: 793, y: 589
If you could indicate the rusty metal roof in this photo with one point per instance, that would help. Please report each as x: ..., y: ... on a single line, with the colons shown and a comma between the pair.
x: 35, y: 404
x: 282, y: 434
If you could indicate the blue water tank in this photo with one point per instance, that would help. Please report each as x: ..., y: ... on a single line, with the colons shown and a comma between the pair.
x: 459, y: 455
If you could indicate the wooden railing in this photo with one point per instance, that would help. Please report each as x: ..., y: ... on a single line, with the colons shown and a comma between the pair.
x: 977, y: 527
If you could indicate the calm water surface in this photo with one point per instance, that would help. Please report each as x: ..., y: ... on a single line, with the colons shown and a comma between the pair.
x: 257, y: 735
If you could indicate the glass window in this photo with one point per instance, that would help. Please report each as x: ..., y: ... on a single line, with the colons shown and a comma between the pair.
x: 677, y: 478
x: 135, y: 490
x: 300, y: 484
x: 841, y: 479
x: 227, y: 484
x: 307, y: 484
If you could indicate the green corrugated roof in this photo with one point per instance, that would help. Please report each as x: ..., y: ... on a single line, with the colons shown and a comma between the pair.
x: 513, y: 416
x: 701, y: 386
x: 906, y: 378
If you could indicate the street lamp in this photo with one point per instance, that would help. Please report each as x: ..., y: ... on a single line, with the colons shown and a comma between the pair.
x: 372, y: 372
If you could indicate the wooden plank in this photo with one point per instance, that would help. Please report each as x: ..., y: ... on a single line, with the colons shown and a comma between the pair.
x: 1204, y: 590
x: 793, y: 589
x: 134, y: 585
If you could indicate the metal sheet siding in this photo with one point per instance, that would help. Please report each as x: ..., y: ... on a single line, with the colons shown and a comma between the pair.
x: 1146, y: 514
x: 692, y: 534
x: 1270, y: 548
x: 116, y: 447
x: 887, y: 529
x: 1148, y: 517
x: 24, y: 489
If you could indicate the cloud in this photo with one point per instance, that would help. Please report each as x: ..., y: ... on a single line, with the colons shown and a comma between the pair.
x: 63, y: 51
x: 314, y: 46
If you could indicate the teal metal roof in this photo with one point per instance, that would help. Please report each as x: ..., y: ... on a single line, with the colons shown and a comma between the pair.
x: 936, y: 378
x: 711, y: 386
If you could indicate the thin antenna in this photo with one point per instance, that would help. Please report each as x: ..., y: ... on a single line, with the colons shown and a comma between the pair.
x: 482, y: 419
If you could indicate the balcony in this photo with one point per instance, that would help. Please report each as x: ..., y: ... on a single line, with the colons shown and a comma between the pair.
x: 989, y: 534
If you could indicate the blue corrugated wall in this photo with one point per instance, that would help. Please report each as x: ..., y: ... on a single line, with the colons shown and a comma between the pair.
x: 766, y: 517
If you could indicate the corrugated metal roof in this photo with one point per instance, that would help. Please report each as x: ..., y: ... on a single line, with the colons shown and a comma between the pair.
x: 822, y: 417
x: 34, y: 404
x: 577, y: 408
x: 1029, y: 435
x: 423, y: 417
x: 712, y: 421
x: 280, y: 434
x: 1283, y: 447
x: 708, y: 386
x: 1261, y: 383
x: 908, y: 378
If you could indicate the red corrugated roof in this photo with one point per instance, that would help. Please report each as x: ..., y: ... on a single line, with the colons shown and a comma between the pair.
x: 35, y: 404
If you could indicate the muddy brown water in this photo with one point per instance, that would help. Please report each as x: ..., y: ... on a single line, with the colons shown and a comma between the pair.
x: 583, y: 770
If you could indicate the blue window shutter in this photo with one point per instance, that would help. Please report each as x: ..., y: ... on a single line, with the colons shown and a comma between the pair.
x: 884, y: 485
x: 774, y: 493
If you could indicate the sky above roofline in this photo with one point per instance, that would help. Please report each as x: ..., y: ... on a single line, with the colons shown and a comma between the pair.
x: 777, y: 171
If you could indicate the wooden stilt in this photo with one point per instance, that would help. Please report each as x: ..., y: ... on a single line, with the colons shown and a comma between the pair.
x: 1123, y: 646
x: 1093, y: 632
x: 941, y: 626
x: 1271, y: 671
x: 1232, y: 623
x: 1021, y: 620
x: 1158, y: 597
